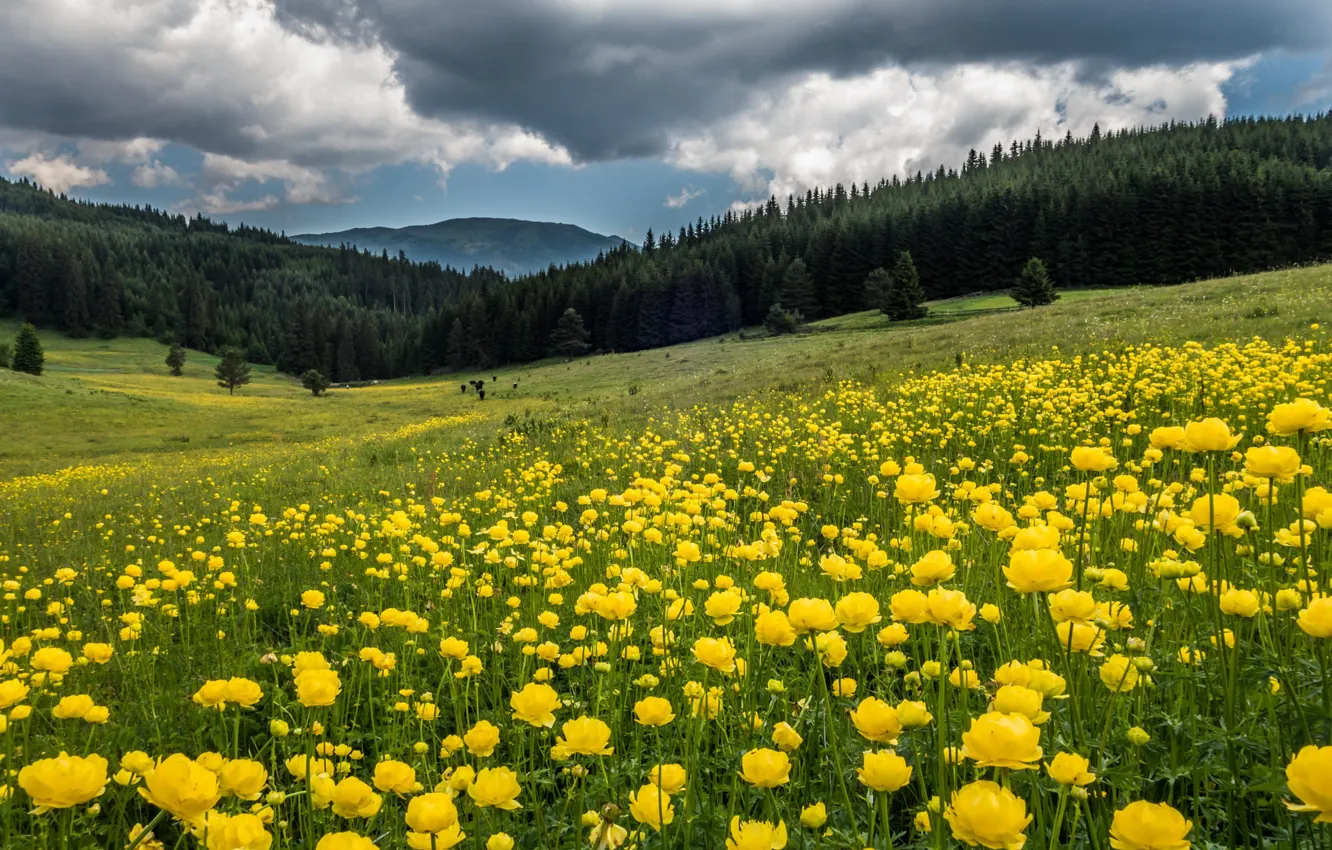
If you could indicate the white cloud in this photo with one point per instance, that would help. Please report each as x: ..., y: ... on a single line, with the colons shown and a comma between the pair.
x: 686, y: 195
x: 154, y: 175
x: 823, y: 130
x: 59, y: 174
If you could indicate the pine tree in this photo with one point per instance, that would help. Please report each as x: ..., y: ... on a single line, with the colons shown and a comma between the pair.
x: 314, y: 381
x: 6, y: 355
x: 569, y: 339
x: 1034, y: 288
x: 233, y: 371
x: 877, y: 284
x: 905, y: 297
x: 798, y: 290
x: 780, y: 321
x: 28, y: 356
x: 175, y: 358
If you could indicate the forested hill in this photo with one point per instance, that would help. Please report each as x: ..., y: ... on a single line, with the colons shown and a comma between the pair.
x: 1165, y: 205
x: 510, y: 245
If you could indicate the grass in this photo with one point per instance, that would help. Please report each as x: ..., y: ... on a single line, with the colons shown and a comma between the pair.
x: 113, y: 400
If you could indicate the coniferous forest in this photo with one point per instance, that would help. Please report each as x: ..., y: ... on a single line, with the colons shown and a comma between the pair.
x: 1153, y: 206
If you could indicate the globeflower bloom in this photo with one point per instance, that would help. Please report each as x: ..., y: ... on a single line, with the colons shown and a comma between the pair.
x: 885, y: 771
x: 651, y: 806
x: 586, y: 736
x: 1149, y: 826
x: 182, y: 787
x: 876, y: 720
x: 985, y: 814
x: 857, y: 611
x: 811, y: 615
x: 1002, y: 740
x: 653, y: 711
x: 1038, y: 571
x: 1302, y: 414
x: 772, y: 628
x: 1070, y: 769
x: 717, y: 653
x: 535, y: 704
x: 1316, y: 619
x: 318, y: 688
x: 1118, y: 674
x: 1092, y: 459
x: 1309, y: 776
x: 1209, y: 435
x: 764, y: 768
x: 63, y: 781
x: 433, y: 819
x: 497, y: 787
x: 755, y: 835
x: 396, y: 777
x: 482, y: 738
x: 1280, y: 463
x: 915, y: 489
x: 352, y: 798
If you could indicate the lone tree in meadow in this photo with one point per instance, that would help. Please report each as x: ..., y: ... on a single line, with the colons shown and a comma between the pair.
x: 175, y: 358
x: 782, y: 321
x: 6, y: 354
x: 1034, y: 288
x: 28, y: 356
x: 904, y: 298
x: 569, y: 339
x: 233, y: 371
x: 314, y: 381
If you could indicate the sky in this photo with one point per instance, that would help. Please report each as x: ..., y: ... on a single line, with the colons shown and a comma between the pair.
x: 615, y: 115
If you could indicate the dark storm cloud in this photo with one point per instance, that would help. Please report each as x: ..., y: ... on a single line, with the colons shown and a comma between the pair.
x: 614, y: 79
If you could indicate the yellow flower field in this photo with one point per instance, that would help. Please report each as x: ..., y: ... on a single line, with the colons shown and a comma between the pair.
x: 1077, y: 601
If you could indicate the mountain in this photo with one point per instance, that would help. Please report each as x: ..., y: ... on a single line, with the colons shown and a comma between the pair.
x: 509, y: 245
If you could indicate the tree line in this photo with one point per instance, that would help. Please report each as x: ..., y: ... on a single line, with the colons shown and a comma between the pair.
x: 1179, y: 202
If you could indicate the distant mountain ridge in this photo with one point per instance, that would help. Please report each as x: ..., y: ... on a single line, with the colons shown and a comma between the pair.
x: 510, y: 245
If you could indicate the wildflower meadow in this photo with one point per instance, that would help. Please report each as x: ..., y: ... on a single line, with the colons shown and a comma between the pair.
x: 1075, y: 600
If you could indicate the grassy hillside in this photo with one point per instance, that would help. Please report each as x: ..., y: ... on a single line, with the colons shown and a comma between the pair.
x: 103, y: 399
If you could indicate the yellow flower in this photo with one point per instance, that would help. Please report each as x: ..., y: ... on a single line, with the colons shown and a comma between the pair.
x: 1119, y: 674
x: 432, y: 812
x: 312, y: 599
x: 63, y: 781
x: 586, y: 736
x: 496, y: 786
x: 772, y: 628
x: 721, y: 607
x: 1241, y: 603
x: 1080, y: 637
x: 395, y: 777
x: 51, y: 659
x: 317, y: 688
x: 241, y: 778
x: 884, y: 771
x: 243, y: 692
x: 73, y: 707
x: 1309, y: 776
x: 1316, y: 619
x: 535, y: 704
x: 1070, y: 769
x: 764, y: 768
x: 876, y: 720
x: 98, y: 653
x: 857, y: 611
x: 1092, y: 459
x: 984, y: 814
x: 1302, y: 414
x: 1038, y: 571
x: 1149, y: 826
x: 352, y: 798
x: 915, y: 489
x: 717, y: 653
x: 499, y: 841
x: 237, y: 832
x: 182, y: 787
x: 913, y: 715
x: 1281, y: 463
x: 786, y: 737
x: 755, y: 835
x: 670, y: 778
x: 951, y: 608
x: 1019, y: 699
x: 1167, y: 437
x: 653, y: 711
x: 1209, y: 435
x: 811, y: 615
x: 212, y: 694
x: 482, y: 738
x: 910, y: 606
x: 12, y: 692
x: 345, y: 841
x: 651, y: 806
x: 934, y: 567
x: 1002, y: 740
x: 814, y: 815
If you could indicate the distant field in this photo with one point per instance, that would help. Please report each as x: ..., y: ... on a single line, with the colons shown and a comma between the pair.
x: 104, y: 399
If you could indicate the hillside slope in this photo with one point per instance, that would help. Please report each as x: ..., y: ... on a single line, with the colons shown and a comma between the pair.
x: 510, y: 245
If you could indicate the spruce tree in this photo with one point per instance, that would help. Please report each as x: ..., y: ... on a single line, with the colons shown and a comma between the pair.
x: 905, y: 297
x: 175, y: 358
x: 6, y: 354
x: 1033, y: 287
x: 28, y: 356
x: 314, y: 381
x: 233, y: 371
x: 569, y: 339
x: 797, y: 292
x: 780, y: 321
